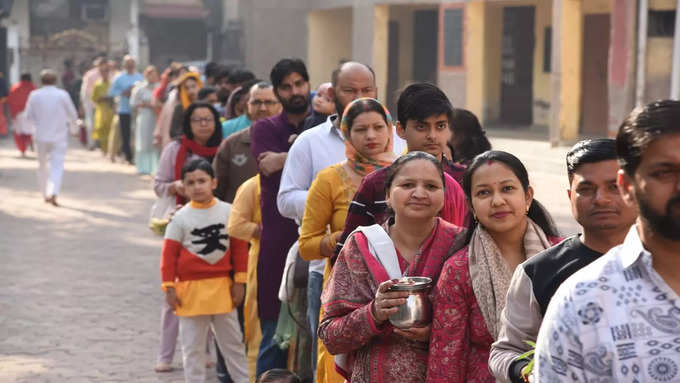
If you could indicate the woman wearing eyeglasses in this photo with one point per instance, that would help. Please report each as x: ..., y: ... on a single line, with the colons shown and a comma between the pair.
x: 200, y: 139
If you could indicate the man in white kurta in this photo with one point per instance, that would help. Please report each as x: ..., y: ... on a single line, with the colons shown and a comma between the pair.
x: 51, y: 111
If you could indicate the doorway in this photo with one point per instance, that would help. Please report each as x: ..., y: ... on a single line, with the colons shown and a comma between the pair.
x: 425, y: 45
x: 595, y: 94
x: 517, y: 65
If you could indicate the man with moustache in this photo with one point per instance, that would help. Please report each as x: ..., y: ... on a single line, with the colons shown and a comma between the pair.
x: 234, y: 162
x: 314, y: 150
x: 271, y: 139
x: 618, y: 319
x: 598, y: 207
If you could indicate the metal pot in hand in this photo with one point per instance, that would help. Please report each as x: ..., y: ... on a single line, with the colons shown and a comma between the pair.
x: 417, y: 311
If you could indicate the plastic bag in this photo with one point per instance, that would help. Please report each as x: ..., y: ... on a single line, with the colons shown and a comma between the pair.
x: 159, y: 216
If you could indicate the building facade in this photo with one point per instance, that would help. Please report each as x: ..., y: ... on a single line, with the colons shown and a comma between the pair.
x: 48, y: 33
x: 562, y: 68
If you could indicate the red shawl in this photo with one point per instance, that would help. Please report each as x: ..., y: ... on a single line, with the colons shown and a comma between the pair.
x: 18, y: 95
x: 190, y: 146
x: 376, y: 354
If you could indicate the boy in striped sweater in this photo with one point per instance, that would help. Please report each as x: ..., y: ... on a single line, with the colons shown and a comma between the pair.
x: 198, y: 258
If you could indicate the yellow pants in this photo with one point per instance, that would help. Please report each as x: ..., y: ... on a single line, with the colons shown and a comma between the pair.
x: 251, y: 320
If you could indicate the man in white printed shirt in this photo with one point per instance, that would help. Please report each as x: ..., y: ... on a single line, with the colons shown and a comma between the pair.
x: 51, y: 111
x: 618, y: 319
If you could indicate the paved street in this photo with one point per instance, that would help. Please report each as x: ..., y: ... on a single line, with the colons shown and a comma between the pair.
x: 79, y: 296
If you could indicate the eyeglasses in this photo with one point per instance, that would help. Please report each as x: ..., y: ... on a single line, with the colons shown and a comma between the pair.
x: 202, y: 120
x: 259, y: 103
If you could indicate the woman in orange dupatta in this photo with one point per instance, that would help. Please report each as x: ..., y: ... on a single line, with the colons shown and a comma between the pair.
x: 367, y: 128
x: 356, y: 300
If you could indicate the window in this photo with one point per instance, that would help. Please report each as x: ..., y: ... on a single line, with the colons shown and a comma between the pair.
x: 547, y: 50
x: 453, y: 37
x: 661, y: 24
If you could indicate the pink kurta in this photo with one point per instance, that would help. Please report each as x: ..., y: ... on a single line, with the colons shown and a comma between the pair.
x: 459, y: 343
x: 376, y: 353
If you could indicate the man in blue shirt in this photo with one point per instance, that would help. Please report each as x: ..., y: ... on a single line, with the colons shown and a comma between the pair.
x: 121, y: 89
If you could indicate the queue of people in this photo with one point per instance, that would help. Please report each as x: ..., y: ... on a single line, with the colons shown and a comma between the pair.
x: 295, y: 218
x: 341, y: 205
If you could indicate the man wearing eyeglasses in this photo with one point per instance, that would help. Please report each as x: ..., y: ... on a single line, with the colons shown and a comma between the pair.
x: 234, y: 162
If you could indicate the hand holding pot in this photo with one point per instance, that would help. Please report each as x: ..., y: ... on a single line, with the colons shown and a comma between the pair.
x: 419, y: 334
x: 387, y: 302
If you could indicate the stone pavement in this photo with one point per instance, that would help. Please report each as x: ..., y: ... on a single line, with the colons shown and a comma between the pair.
x: 80, y: 297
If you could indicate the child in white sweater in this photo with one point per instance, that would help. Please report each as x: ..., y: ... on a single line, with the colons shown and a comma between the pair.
x: 198, y: 259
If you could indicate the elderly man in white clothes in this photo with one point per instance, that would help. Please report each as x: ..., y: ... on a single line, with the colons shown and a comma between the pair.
x: 50, y: 110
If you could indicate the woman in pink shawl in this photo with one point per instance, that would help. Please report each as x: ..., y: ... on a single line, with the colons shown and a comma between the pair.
x: 509, y: 226
x: 356, y: 300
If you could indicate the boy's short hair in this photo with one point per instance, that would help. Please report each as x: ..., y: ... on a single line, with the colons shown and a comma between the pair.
x: 278, y: 375
x: 588, y: 152
x: 198, y: 164
x: 422, y: 100
x: 204, y: 92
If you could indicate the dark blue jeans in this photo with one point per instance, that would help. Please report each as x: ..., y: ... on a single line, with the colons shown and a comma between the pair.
x: 314, y: 287
x: 270, y: 356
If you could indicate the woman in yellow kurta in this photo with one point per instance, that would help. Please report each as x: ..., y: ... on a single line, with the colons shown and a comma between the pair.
x: 244, y: 224
x: 367, y: 127
x: 103, y: 113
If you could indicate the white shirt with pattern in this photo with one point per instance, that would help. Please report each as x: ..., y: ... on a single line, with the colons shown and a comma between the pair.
x: 615, y: 320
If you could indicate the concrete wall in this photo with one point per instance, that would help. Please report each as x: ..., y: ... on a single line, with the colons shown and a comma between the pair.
x: 662, y: 5
x: 329, y: 42
x: 658, y: 68
x: 488, y: 63
x: 622, y: 55
x: 454, y: 84
x: 274, y: 29
x: 659, y: 59
x: 119, y: 25
x: 18, y: 32
x: 475, y: 59
x: 404, y: 16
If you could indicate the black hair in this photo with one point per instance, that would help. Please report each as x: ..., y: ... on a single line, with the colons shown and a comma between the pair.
x: 26, y: 77
x: 536, y: 212
x: 261, y: 85
x: 336, y: 72
x: 643, y: 126
x: 362, y: 106
x: 241, y: 92
x: 588, y: 152
x: 216, y: 138
x: 240, y: 76
x: 204, y: 92
x: 222, y: 72
x: 278, y: 375
x: 473, y: 141
x: 399, y: 163
x: 198, y: 164
x: 422, y: 100
x: 285, y: 67
x: 211, y: 69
